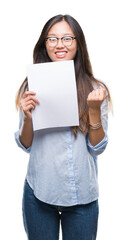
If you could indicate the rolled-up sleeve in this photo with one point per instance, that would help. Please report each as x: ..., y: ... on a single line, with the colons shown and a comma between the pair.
x: 101, y: 146
x: 17, y: 135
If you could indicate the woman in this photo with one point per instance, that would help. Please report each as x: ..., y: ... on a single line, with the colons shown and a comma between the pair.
x: 61, y: 182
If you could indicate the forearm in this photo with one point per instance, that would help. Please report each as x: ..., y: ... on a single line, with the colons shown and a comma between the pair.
x: 27, y: 103
x: 26, y: 133
x: 95, y: 135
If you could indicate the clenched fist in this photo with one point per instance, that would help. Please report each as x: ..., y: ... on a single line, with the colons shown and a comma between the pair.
x: 96, y: 97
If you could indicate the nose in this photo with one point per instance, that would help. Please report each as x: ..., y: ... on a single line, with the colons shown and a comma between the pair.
x: 59, y: 44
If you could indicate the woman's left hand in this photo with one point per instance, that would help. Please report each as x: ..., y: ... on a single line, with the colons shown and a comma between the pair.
x: 95, y: 98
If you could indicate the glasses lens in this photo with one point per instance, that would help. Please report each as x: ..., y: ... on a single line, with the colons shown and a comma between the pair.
x: 52, y: 41
x: 67, y: 41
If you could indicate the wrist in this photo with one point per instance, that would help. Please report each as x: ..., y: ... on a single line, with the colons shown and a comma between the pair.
x: 27, y: 119
x: 93, y: 110
x: 95, y: 126
x: 94, y: 116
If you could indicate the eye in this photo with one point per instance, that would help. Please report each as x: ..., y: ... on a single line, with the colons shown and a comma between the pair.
x: 52, y: 39
x: 67, y: 38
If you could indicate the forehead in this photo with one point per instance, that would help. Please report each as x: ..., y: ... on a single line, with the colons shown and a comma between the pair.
x: 60, y: 28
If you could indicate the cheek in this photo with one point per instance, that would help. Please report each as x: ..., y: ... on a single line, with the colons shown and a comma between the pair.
x: 48, y: 49
x: 73, y: 53
x: 49, y: 52
x: 73, y: 50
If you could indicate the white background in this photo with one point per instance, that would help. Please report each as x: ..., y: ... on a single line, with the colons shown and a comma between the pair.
x: 21, y: 23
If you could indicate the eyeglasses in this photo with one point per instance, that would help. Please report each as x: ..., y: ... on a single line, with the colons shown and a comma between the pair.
x: 66, y: 41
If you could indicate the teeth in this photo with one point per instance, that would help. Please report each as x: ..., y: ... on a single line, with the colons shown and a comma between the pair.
x: 61, y: 53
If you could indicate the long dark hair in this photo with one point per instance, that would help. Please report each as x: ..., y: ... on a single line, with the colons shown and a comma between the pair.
x: 83, y: 69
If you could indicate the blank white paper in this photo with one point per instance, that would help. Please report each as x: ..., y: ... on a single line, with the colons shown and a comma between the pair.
x: 55, y: 86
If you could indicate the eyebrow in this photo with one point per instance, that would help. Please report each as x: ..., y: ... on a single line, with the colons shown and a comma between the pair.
x: 65, y: 34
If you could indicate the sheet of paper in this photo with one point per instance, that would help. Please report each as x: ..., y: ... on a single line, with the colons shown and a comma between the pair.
x: 55, y: 87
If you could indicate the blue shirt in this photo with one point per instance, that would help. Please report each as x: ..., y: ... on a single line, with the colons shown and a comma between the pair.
x: 62, y: 169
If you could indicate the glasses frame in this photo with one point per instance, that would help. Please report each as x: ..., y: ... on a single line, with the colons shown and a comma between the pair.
x: 61, y: 40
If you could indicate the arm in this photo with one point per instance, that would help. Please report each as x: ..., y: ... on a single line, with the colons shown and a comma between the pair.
x: 27, y: 103
x: 95, y: 99
x: 26, y: 133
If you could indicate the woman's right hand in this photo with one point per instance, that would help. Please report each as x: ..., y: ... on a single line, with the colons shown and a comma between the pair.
x: 28, y: 103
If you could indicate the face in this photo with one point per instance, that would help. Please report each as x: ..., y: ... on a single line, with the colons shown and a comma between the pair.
x: 61, y: 52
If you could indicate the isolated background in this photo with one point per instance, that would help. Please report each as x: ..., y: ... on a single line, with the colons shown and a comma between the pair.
x: 21, y: 23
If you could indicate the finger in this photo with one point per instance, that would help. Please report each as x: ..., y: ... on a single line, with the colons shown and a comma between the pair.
x: 24, y: 103
x: 89, y: 96
x: 30, y: 93
x: 102, y: 93
x: 93, y: 95
x: 28, y: 108
x: 97, y: 92
x: 30, y: 97
x: 30, y: 102
x: 33, y: 99
x: 27, y: 93
x: 102, y: 89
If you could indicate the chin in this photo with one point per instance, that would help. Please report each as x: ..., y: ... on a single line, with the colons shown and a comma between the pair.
x: 58, y: 60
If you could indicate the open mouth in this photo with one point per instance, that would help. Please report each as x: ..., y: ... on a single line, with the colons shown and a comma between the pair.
x: 61, y: 54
